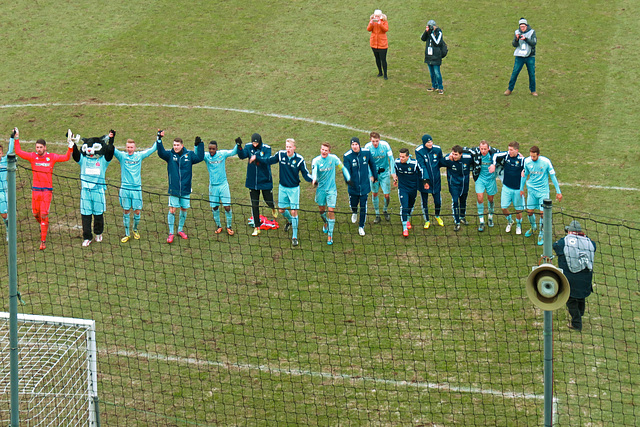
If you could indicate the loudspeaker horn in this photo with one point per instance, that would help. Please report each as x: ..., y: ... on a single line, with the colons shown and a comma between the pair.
x: 547, y: 287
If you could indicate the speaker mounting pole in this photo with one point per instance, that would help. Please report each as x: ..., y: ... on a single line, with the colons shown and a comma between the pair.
x: 548, y: 321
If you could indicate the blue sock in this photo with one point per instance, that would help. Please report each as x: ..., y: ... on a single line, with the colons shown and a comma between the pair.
x: 294, y: 226
x: 509, y: 218
x: 126, y: 219
x: 386, y: 204
x: 216, y: 216
x: 404, y: 225
x: 229, y: 217
x: 532, y: 221
x: 491, y: 207
x: 183, y: 218
x: 171, y: 219
x: 332, y: 223
x: 287, y: 215
x: 375, y: 204
x: 518, y: 221
x: 323, y: 215
x: 136, y: 221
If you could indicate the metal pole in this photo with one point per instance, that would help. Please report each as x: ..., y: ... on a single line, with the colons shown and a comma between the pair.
x: 13, y: 290
x: 548, y: 321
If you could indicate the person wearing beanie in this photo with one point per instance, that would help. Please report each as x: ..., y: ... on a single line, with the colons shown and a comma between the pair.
x: 429, y: 157
x: 433, y: 54
x: 378, y: 27
x: 362, y: 171
x: 258, y: 176
x: 524, y: 40
x: 576, y: 254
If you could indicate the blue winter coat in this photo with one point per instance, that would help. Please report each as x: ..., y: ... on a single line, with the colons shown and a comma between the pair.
x: 179, y: 166
x: 357, y: 164
x: 259, y: 171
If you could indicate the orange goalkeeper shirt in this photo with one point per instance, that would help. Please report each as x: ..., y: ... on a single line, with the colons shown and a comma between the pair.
x: 42, y: 166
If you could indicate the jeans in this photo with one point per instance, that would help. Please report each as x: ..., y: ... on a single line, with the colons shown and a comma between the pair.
x: 436, y: 76
x: 520, y: 62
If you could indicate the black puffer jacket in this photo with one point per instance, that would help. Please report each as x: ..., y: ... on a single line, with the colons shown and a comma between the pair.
x: 434, y: 41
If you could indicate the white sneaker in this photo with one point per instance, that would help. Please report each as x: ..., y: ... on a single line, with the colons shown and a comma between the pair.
x: 354, y: 218
x: 98, y: 238
x: 508, y: 228
x: 86, y: 243
x: 361, y: 231
x: 518, y: 229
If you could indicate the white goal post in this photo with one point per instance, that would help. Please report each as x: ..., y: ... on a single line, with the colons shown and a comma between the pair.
x: 57, y: 370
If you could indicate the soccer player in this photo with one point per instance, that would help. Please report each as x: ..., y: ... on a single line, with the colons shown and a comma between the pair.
x: 131, y: 185
x: 93, y: 157
x: 258, y: 176
x: 42, y: 163
x: 537, y: 171
x: 383, y: 159
x: 291, y: 166
x: 323, y: 174
x: 485, y: 180
x: 512, y: 163
x: 408, y: 177
x: 357, y: 161
x: 429, y: 156
x: 219, y: 193
x: 457, y: 164
x: 180, y: 163
x: 4, y: 208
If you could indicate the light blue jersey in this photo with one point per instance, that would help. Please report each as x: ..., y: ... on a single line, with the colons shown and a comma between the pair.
x: 323, y: 171
x: 216, y: 166
x: 537, y: 174
x: 382, y: 156
x: 92, y: 172
x: 131, y: 167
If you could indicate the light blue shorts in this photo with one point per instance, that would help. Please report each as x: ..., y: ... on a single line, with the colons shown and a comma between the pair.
x: 289, y: 197
x: 219, y: 194
x: 488, y: 185
x: 535, y: 199
x: 183, y: 202
x: 384, y: 183
x: 131, y: 199
x: 326, y: 198
x: 92, y: 202
x: 509, y: 196
x: 4, y: 207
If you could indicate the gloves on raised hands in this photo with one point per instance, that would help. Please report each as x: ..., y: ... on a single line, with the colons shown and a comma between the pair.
x: 198, y: 141
x: 239, y: 143
x: 14, y: 132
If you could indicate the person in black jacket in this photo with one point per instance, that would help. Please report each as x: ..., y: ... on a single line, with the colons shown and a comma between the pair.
x: 433, y: 54
x: 575, y: 254
x: 362, y: 171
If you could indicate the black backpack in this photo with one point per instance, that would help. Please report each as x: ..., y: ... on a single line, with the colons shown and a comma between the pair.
x: 444, y: 49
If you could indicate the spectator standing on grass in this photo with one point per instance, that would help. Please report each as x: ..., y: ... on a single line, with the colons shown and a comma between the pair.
x: 512, y: 163
x: 378, y: 27
x: 457, y: 164
x: 42, y: 163
x: 408, y: 177
x: 291, y: 165
x: 131, y: 185
x: 323, y: 174
x: 258, y: 176
x: 429, y: 157
x: 363, y: 172
x: 180, y: 163
x: 537, y: 171
x: 433, y: 54
x: 383, y: 160
x: 524, y: 40
x: 575, y: 254
x: 219, y: 193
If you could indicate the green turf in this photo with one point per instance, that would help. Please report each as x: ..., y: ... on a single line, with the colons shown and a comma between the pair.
x: 403, y: 315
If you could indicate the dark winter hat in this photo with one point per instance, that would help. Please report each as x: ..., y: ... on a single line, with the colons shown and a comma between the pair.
x: 355, y: 139
x: 523, y: 21
x: 574, y: 226
x: 256, y: 138
x: 426, y: 138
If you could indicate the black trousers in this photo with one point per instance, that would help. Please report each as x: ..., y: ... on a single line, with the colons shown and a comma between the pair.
x: 381, y: 60
x: 267, y: 195
x: 576, y: 308
x: 98, y: 225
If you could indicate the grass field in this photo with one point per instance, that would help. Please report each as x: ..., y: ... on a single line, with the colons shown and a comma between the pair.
x: 373, y: 331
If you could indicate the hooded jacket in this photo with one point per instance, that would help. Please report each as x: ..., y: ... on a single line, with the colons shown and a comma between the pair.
x: 359, y: 165
x: 179, y: 167
x: 259, y: 171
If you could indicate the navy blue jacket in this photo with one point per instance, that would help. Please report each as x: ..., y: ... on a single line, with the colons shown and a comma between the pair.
x: 357, y: 164
x: 259, y: 171
x: 458, y: 173
x: 179, y: 166
x: 410, y: 176
x: 429, y: 161
x: 290, y: 168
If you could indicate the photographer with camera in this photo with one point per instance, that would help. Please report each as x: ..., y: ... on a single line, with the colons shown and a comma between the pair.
x: 433, y: 54
x: 378, y: 27
x: 524, y: 40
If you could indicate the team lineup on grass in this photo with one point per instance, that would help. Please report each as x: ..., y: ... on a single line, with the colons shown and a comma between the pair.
x: 368, y: 169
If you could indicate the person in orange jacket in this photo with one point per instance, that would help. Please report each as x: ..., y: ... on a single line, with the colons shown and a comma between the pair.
x: 378, y: 27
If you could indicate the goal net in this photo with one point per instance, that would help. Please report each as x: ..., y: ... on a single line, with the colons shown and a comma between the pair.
x: 57, y: 371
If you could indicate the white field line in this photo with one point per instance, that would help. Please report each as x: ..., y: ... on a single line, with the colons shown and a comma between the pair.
x: 337, y: 377
x: 259, y: 113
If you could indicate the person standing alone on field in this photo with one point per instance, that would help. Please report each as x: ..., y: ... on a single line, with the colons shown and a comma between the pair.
x: 378, y: 27
x: 433, y: 54
x: 575, y: 254
x: 524, y: 41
